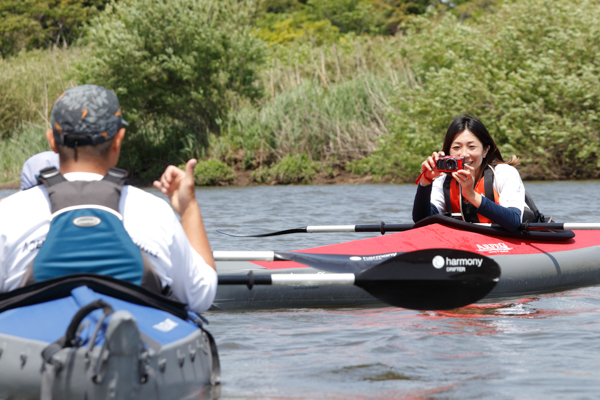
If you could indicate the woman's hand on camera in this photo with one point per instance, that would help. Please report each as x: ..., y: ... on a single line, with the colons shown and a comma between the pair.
x: 429, y: 169
x: 464, y: 177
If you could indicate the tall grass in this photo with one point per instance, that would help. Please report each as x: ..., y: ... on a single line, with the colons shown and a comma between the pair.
x: 26, y: 140
x: 29, y: 84
x: 328, y: 102
x: 341, y: 123
x: 344, y: 60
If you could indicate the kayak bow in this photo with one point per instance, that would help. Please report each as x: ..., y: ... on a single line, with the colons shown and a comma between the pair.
x: 531, y: 263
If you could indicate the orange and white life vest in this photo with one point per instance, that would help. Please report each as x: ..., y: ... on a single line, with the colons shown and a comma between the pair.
x: 453, y: 197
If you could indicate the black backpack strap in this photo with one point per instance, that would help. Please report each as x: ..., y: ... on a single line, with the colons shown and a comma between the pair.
x: 447, y: 198
x: 117, y: 176
x: 531, y: 213
x: 488, y: 184
x: 50, y: 176
x: 469, y: 212
x: 63, y: 193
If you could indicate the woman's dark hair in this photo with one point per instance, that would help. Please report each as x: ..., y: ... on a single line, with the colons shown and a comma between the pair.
x: 473, y: 125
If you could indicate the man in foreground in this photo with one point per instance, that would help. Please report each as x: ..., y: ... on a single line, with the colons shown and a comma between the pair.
x: 87, y: 134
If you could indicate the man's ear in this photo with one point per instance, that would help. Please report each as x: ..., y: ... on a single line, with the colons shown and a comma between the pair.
x: 51, y: 141
x: 118, y: 140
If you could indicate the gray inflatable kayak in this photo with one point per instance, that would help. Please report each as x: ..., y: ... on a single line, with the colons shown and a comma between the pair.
x: 90, y: 337
x: 531, y: 263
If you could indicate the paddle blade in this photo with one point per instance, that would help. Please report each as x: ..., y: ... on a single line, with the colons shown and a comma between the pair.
x: 277, y: 233
x: 433, y: 279
x: 341, y: 263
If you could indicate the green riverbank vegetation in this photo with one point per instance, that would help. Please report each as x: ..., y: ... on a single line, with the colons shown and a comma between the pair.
x: 286, y: 91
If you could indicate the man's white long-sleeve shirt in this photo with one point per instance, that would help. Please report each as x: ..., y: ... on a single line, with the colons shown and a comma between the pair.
x: 150, y: 222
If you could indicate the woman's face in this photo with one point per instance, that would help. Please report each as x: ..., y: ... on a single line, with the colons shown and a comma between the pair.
x: 467, y: 145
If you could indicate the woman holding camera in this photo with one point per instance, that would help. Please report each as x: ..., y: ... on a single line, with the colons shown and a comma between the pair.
x: 486, y: 189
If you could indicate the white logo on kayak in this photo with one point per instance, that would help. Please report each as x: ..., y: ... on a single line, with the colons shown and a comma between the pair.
x: 166, y: 325
x: 455, y: 264
x: 464, y: 261
x: 438, y: 262
x: 494, y: 248
x: 373, y: 258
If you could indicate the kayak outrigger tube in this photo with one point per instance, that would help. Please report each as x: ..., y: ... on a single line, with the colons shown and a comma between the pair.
x: 432, y: 279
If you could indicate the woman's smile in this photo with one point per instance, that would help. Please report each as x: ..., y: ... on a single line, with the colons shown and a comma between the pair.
x: 467, y: 145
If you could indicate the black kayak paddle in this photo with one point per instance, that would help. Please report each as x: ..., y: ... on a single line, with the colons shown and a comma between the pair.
x: 528, y: 231
x: 432, y: 279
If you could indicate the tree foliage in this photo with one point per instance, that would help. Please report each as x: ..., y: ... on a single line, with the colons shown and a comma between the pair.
x: 340, y: 87
x: 530, y: 72
x: 29, y: 24
x: 323, y: 21
x: 184, y: 61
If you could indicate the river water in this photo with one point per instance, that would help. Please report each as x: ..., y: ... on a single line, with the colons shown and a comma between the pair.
x: 547, y: 347
x: 544, y: 347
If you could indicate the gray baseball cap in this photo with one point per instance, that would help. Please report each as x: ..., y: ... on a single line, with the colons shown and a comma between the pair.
x: 86, y: 115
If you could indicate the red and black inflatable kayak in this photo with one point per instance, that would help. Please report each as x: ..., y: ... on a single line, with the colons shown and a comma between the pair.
x: 531, y: 262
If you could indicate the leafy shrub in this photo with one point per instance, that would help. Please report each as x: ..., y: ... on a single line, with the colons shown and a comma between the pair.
x: 180, y: 60
x: 286, y: 28
x: 29, y: 24
x: 529, y: 72
x: 359, y: 16
x: 261, y: 175
x: 324, y: 21
x: 320, y: 21
x: 212, y: 172
x: 291, y: 169
x: 156, y: 144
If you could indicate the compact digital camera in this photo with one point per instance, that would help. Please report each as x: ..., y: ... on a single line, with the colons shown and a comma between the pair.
x: 450, y: 164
